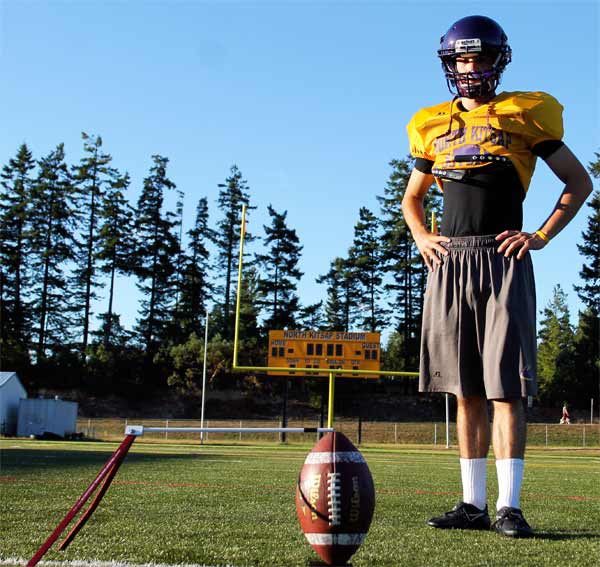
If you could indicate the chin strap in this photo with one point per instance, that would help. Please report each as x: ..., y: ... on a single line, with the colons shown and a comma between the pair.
x: 454, y: 99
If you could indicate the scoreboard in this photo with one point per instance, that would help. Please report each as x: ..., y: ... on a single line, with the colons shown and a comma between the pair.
x: 324, y: 349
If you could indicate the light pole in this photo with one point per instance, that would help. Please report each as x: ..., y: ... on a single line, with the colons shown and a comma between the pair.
x: 204, y: 377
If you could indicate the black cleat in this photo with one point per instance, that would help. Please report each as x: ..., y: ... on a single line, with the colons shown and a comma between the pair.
x: 462, y: 517
x: 511, y: 523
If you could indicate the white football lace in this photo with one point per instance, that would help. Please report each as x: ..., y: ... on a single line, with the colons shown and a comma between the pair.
x: 334, y: 498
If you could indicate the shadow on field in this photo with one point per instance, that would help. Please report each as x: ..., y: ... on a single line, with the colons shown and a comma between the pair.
x: 565, y: 536
x: 17, y: 462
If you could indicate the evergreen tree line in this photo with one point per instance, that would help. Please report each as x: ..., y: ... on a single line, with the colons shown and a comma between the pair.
x: 568, y: 356
x: 67, y: 232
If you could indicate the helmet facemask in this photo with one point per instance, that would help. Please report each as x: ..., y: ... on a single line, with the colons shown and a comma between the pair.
x: 475, y: 84
x: 480, y: 36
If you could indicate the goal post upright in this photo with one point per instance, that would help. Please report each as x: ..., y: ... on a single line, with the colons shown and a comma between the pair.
x: 236, y: 334
x: 310, y: 371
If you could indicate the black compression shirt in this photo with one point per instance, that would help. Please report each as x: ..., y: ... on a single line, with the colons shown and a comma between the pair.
x: 483, y: 203
x: 488, y: 200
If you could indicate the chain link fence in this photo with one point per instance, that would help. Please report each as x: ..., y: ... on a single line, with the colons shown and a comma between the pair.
x: 359, y: 432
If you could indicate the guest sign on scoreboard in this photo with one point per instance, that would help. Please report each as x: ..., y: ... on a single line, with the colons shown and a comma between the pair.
x: 329, y: 350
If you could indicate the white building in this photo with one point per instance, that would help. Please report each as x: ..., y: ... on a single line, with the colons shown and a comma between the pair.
x: 39, y: 416
x: 11, y: 391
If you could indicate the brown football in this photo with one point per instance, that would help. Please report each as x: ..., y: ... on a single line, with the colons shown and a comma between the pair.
x: 335, y: 498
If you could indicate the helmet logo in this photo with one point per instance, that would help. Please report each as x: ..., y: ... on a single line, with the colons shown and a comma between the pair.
x: 467, y: 45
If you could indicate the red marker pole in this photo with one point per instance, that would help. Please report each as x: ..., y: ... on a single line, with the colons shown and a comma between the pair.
x: 116, y: 459
x: 86, y: 515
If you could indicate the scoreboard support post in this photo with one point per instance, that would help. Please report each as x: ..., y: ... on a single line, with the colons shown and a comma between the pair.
x: 284, y: 407
x: 360, y: 413
x: 322, y: 409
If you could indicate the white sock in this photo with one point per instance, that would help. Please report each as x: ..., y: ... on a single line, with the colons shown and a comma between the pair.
x: 474, y: 475
x: 510, y: 477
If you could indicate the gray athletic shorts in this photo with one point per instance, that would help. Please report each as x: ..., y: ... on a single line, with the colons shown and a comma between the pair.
x: 479, y: 313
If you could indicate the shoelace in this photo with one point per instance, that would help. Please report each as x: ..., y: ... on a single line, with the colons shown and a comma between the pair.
x: 510, y: 515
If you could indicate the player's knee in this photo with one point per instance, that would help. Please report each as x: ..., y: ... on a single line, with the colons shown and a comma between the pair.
x: 472, y: 405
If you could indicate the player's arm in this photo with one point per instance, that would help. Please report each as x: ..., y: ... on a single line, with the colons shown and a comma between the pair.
x: 578, y: 186
x: 414, y: 214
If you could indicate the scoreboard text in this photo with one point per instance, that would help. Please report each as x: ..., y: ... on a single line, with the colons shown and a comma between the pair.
x: 324, y: 349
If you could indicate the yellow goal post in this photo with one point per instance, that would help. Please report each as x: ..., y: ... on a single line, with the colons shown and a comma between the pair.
x: 332, y: 373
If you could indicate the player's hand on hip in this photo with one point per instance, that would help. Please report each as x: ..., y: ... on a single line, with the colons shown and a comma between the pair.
x: 430, y: 247
x: 519, y: 242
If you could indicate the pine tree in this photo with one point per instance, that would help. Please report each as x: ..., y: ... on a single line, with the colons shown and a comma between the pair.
x: 180, y: 254
x: 252, y: 349
x: 277, y: 283
x: 195, y: 286
x: 250, y: 332
x: 555, y: 351
x: 403, y: 262
x: 311, y: 316
x: 156, y: 246
x: 587, y: 338
x: 15, y: 316
x: 116, y: 246
x: 366, y: 255
x: 394, y: 352
x: 398, y: 256
x: 187, y: 363
x: 91, y: 177
x: 233, y: 194
x: 342, y: 292
x: 187, y: 358
x: 587, y: 358
x: 594, y: 167
x: 51, y: 241
x: 589, y: 292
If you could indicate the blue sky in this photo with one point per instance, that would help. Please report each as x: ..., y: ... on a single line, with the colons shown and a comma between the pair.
x: 309, y: 99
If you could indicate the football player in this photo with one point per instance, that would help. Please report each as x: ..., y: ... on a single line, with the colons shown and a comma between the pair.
x: 479, y: 339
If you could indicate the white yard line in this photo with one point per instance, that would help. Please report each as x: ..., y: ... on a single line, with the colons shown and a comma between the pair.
x: 20, y: 561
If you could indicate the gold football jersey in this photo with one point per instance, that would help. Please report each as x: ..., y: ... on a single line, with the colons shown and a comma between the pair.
x: 508, y: 126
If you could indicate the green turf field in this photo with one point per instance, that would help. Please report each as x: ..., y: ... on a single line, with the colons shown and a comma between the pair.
x: 234, y: 504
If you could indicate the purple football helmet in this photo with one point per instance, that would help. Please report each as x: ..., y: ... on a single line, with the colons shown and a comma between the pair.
x: 474, y: 34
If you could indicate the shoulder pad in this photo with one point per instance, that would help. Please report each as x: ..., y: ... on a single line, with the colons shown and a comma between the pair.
x: 423, y: 116
x: 526, y: 101
x: 541, y: 113
x: 422, y: 125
